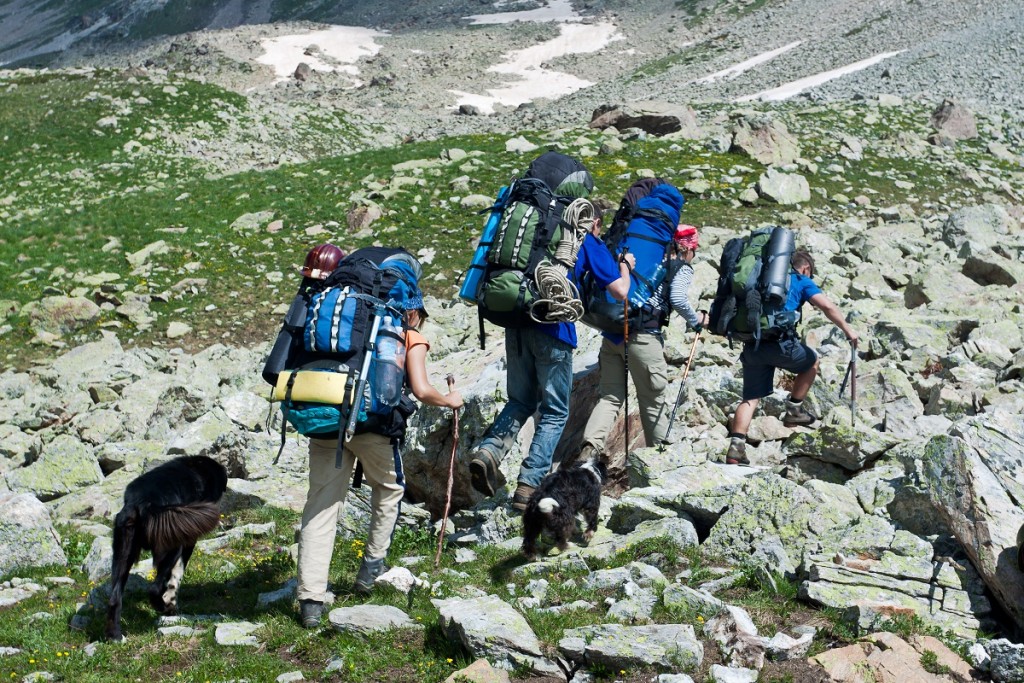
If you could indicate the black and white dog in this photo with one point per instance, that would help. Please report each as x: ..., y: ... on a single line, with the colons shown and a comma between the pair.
x: 553, y: 506
x: 165, y: 510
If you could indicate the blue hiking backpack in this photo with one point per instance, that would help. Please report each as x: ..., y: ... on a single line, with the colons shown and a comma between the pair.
x: 346, y: 372
x: 643, y: 226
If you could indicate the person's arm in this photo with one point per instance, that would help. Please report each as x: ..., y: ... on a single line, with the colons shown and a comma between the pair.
x: 416, y: 369
x: 680, y: 299
x: 619, y: 289
x: 832, y: 312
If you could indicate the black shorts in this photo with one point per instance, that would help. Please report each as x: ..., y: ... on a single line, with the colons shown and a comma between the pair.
x: 759, y: 365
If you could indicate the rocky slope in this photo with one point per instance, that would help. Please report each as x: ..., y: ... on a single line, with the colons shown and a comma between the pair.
x: 908, y: 508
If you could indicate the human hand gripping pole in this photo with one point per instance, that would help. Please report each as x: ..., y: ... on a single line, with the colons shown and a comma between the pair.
x: 451, y: 474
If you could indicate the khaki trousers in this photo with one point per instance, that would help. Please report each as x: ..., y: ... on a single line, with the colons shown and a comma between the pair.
x: 649, y: 371
x: 328, y: 487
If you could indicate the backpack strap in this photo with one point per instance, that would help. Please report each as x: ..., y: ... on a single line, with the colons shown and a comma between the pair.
x: 285, y: 407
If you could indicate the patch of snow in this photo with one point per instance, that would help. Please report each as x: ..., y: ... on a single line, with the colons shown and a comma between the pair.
x: 737, y: 69
x: 796, y: 87
x: 343, y: 46
x: 532, y: 80
x: 553, y: 10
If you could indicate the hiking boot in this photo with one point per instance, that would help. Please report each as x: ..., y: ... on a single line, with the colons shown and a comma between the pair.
x: 737, y: 453
x: 369, y: 570
x: 797, y: 416
x: 484, y: 473
x: 310, y: 612
x: 522, y: 496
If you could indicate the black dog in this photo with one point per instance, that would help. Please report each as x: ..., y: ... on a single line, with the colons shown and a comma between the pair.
x: 165, y: 510
x: 553, y: 506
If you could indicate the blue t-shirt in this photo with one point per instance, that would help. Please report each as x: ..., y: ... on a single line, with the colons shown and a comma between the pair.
x: 801, y: 289
x: 595, y: 258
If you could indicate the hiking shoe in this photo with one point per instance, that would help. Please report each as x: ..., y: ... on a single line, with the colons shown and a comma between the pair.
x: 483, y: 472
x: 522, y: 496
x: 310, y: 612
x: 797, y: 416
x: 369, y: 570
x: 737, y: 453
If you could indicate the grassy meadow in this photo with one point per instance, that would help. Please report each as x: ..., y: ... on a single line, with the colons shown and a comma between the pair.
x: 80, y: 193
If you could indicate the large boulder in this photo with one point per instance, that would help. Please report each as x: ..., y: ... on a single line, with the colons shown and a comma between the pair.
x: 763, y: 139
x: 954, y: 120
x: 488, y: 627
x: 27, y: 536
x: 972, y: 477
x: 66, y: 465
x: 655, y: 118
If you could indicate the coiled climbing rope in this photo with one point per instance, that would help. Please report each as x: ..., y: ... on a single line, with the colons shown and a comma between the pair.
x: 558, y: 299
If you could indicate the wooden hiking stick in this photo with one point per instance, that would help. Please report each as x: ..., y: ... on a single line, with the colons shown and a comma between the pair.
x: 451, y: 475
x: 682, y: 386
x: 625, y: 373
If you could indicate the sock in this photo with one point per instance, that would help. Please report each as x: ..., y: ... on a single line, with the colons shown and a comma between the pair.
x: 736, y: 436
x: 794, y: 404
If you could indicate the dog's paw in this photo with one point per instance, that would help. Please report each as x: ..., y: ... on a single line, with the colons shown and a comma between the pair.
x: 587, y: 535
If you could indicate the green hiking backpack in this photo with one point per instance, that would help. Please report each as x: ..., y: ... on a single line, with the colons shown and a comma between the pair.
x: 753, y: 284
x: 528, y: 232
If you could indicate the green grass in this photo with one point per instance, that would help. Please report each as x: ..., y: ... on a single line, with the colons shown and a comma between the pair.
x: 74, y: 203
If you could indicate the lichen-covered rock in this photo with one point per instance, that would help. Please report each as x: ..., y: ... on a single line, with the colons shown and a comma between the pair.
x: 672, y: 647
x: 852, y: 448
x: 972, y: 477
x: 767, y: 506
x: 27, y: 536
x: 491, y: 628
x: 65, y: 465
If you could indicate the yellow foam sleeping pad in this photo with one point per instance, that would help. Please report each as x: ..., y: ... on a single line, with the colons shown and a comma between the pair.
x: 314, y: 386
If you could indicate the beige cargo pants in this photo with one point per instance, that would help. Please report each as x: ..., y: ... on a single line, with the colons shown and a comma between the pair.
x: 328, y: 487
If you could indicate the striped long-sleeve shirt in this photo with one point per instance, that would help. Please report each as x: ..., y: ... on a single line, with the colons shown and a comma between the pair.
x: 678, y: 295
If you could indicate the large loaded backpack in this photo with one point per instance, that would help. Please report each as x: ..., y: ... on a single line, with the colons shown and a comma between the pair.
x: 345, y: 374
x: 529, y: 246
x: 643, y: 226
x: 753, y: 284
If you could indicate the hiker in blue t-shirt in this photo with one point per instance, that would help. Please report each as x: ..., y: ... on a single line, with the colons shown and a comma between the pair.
x: 789, y: 353
x: 539, y: 379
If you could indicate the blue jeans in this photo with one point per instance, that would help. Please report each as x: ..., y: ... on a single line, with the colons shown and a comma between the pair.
x: 539, y: 379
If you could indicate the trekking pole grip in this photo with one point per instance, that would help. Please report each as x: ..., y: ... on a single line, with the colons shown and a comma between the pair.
x: 451, y: 381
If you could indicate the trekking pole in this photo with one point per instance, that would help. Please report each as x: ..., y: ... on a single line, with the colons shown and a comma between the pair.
x: 851, y: 376
x: 853, y: 382
x: 682, y: 386
x: 451, y: 476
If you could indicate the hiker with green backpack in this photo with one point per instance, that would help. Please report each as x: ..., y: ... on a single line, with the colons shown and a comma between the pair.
x: 774, y: 347
x: 543, y: 208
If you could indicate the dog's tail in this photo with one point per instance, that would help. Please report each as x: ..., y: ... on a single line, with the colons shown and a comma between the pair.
x: 547, y: 505
x: 178, y: 525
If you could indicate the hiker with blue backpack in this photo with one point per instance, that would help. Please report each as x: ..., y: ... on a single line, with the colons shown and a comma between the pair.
x: 534, y: 252
x: 782, y: 349
x: 660, y: 283
x: 345, y: 385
